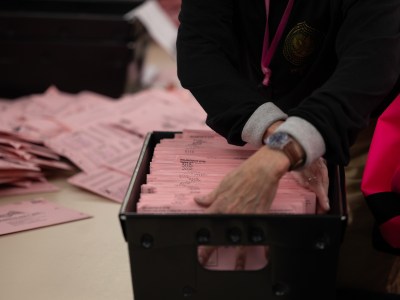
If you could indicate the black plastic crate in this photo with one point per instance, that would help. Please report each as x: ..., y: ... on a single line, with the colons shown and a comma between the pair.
x: 75, y: 45
x: 303, y: 249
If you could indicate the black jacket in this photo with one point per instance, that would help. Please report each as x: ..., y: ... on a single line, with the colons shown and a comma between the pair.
x: 337, y: 64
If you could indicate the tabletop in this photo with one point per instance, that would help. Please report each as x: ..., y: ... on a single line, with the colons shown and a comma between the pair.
x: 86, y: 259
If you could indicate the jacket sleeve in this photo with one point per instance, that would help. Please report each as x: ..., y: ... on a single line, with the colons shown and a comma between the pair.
x: 368, y: 51
x: 208, y: 65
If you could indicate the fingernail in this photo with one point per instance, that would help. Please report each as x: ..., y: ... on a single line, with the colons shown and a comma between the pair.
x: 201, y: 199
x: 327, y: 206
x: 198, y: 198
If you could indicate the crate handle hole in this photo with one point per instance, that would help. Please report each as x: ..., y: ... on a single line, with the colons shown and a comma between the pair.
x: 233, y: 258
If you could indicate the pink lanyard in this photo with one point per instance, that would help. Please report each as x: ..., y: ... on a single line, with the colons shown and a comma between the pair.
x: 268, y: 51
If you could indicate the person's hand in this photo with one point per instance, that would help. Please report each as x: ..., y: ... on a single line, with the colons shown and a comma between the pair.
x: 315, y: 178
x: 251, y: 187
x: 248, y: 189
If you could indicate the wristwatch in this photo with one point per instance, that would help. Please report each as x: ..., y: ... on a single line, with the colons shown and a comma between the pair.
x: 284, y: 142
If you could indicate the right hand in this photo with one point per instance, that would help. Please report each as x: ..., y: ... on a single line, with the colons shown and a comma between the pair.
x: 315, y: 178
x: 249, y: 189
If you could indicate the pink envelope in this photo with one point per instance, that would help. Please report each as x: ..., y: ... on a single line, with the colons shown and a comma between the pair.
x: 35, y: 213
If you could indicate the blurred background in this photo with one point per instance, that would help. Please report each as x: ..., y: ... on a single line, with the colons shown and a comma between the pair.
x: 77, y: 45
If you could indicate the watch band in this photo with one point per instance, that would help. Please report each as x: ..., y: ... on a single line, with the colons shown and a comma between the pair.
x: 295, y: 157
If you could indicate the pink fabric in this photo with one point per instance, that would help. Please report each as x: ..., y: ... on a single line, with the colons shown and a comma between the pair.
x: 269, y: 50
x: 381, y: 172
x: 396, y: 180
x: 390, y: 231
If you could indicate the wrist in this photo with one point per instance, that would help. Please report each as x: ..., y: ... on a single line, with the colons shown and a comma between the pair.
x: 284, y: 143
x: 273, y: 162
x: 281, y: 163
x: 271, y: 129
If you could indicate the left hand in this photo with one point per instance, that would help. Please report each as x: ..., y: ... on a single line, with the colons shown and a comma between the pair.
x: 248, y: 189
x: 251, y: 187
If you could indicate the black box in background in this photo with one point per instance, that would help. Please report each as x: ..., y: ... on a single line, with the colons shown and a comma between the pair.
x: 303, y: 249
x: 75, y: 45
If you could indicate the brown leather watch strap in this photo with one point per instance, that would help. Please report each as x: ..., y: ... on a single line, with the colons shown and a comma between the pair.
x: 295, y: 154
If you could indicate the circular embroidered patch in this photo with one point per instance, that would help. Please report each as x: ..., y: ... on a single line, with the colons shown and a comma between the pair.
x: 300, y: 43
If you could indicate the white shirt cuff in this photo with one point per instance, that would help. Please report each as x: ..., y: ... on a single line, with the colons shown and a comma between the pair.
x: 260, y: 120
x: 306, y: 135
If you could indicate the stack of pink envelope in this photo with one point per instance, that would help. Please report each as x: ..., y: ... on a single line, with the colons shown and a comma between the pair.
x: 100, y: 136
x: 193, y: 163
x: 25, y: 165
x: 26, y: 124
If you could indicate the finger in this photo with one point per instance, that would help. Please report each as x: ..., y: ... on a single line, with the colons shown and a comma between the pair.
x: 320, y: 210
x: 302, y: 179
x: 322, y: 197
x: 204, y: 200
x: 240, y: 257
x: 204, y: 253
